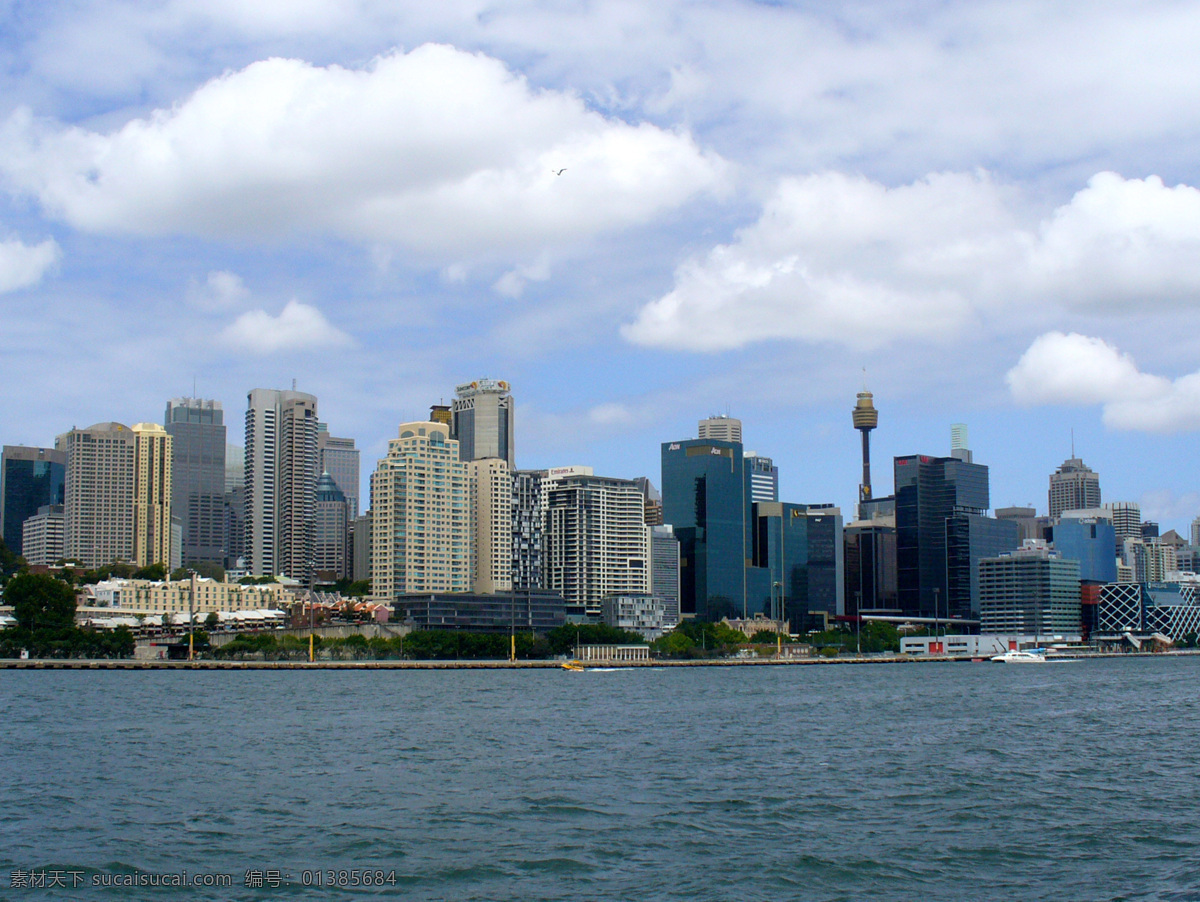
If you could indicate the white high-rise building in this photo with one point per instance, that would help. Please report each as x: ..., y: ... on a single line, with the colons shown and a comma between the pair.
x: 421, y: 526
x: 596, y: 541
x: 528, y: 523
x: 491, y: 507
x: 482, y: 421
x: 724, y: 429
x: 764, y: 477
x: 1073, y: 486
x: 280, y: 483
x: 42, y: 536
x: 98, y: 509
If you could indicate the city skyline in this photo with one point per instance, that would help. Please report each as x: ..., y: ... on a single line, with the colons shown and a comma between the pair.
x: 636, y: 217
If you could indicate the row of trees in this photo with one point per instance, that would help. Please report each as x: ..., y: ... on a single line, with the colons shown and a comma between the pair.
x: 44, y: 608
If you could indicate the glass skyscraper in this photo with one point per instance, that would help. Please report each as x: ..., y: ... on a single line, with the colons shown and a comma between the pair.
x: 197, y: 430
x: 30, y: 478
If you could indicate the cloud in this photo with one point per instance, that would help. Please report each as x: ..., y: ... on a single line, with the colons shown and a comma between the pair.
x: 22, y: 265
x: 297, y: 327
x: 512, y: 283
x: 221, y: 290
x: 439, y: 151
x: 845, y: 259
x: 1070, y: 368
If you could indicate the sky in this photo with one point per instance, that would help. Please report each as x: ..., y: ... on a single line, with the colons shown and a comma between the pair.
x: 638, y: 214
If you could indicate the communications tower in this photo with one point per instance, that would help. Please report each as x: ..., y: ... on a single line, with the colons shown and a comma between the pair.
x: 866, y: 418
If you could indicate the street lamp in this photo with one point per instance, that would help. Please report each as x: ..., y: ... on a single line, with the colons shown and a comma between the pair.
x: 936, y: 609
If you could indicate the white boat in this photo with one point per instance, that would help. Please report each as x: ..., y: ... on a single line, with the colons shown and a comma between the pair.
x: 1020, y: 657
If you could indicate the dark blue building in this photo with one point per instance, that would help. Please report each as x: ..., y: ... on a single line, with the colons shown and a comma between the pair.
x: 1091, y: 543
x: 798, y: 549
x: 29, y: 479
x: 942, y: 532
x: 707, y: 499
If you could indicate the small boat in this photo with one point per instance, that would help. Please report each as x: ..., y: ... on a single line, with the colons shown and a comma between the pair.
x: 1036, y: 656
x: 574, y: 666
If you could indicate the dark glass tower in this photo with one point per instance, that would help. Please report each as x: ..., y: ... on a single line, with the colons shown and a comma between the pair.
x: 198, y: 477
x: 29, y: 478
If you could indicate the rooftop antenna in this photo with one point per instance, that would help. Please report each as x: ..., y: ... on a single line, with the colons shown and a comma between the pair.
x: 1072, y: 442
x: 293, y: 384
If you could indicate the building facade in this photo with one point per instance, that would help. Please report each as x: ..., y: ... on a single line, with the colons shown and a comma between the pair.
x: 1032, y: 591
x: 764, y: 478
x: 1073, y: 486
x: 722, y: 429
x: 30, y: 479
x: 664, y: 568
x: 197, y: 430
x: 42, y: 536
x: 153, y: 534
x: 340, y: 459
x: 491, y: 485
x: 800, y: 548
x: 98, y: 512
x: 421, y: 524
x: 331, y: 532
x: 482, y: 421
x: 528, y: 523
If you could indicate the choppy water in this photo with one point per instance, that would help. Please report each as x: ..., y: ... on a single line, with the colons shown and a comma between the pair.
x: 1066, y: 781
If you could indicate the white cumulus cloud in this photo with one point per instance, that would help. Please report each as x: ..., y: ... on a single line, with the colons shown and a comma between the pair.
x: 297, y: 327
x: 436, y: 150
x: 22, y: 265
x: 845, y: 259
x: 1070, y: 368
x: 221, y: 290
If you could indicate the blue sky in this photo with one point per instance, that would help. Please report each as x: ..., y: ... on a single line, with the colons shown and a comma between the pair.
x: 992, y: 207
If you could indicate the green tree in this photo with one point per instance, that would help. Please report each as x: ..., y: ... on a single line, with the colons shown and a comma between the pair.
x: 155, y: 572
x: 40, y: 602
x: 212, y: 621
x: 10, y: 563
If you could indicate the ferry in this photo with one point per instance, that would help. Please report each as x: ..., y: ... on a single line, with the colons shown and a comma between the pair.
x: 1033, y: 656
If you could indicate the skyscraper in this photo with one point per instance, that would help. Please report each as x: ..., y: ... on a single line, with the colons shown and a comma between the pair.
x: 723, y: 429
x: 421, y: 530
x: 764, y: 477
x: 30, y: 478
x: 1073, y: 486
x: 152, y: 489
x: 280, y: 482
x: 340, y: 459
x: 528, y: 523
x: 800, y: 547
x: 331, y: 531
x: 98, y: 508
x: 482, y: 417
x: 491, y: 507
x: 197, y: 430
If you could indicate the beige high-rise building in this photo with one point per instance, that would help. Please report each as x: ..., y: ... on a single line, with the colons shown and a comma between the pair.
x: 421, y: 525
x: 725, y: 429
x: 491, y: 506
x: 98, y: 510
x: 152, y: 484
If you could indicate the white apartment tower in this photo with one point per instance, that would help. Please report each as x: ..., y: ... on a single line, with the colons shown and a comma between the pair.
x: 421, y: 525
x: 98, y: 504
x: 482, y: 421
x: 492, y: 508
x: 280, y: 483
x: 596, y: 541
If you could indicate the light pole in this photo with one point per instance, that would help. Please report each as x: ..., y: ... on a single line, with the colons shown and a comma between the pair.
x: 936, y: 610
x: 192, y: 617
x: 858, y: 623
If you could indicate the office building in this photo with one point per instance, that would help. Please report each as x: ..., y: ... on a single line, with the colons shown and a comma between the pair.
x: 870, y: 567
x: 280, y: 483
x: 528, y: 523
x: 596, y: 542
x: 1195, y: 533
x: 98, y: 508
x: 646, y: 615
x: 800, y: 548
x: 361, y: 539
x: 1149, y: 560
x: 516, y: 611
x: 1144, y: 609
x: 764, y: 478
x: 42, y: 536
x: 1073, y: 486
x: 421, y: 530
x: 706, y: 498
x: 482, y: 415
x: 942, y: 532
x: 331, y: 532
x: 153, y: 535
x: 30, y: 479
x: 197, y: 430
x: 340, y: 459
x: 1089, y: 541
x: 1032, y: 591
x: 722, y: 429
x: 1029, y: 524
x: 652, y: 500
x: 491, y: 485
x: 664, y: 568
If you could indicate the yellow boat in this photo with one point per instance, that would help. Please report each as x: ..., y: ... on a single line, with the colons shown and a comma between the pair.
x: 573, y: 666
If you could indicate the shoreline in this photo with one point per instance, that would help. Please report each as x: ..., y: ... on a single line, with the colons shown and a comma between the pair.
x: 133, y: 664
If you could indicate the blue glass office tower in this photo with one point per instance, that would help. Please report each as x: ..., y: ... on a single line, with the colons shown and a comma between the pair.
x: 1089, y: 541
x: 798, y: 547
x: 707, y: 498
x: 942, y: 532
x: 29, y: 479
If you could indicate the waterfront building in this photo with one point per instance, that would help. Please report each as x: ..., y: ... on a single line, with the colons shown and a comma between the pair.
x: 42, y: 536
x: 491, y: 486
x: 664, y: 568
x: 646, y: 615
x: 528, y: 524
x: 331, y: 531
x: 869, y: 562
x: 197, y: 430
x: 98, y: 511
x: 30, y: 479
x: 482, y: 421
x: 1073, y: 486
x: 1088, y: 540
x: 800, y: 549
x: 1031, y: 591
x: 706, y: 498
x: 596, y: 542
x: 280, y: 483
x: 1143, y: 609
x: 1149, y: 560
x: 518, y: 610
x: 421, y: 530
x: 340, y: 459
x: 722, y: 429
x: 942, y: 532
x: 764, y: 478
x: 133, y: 597
x: 153, y: 535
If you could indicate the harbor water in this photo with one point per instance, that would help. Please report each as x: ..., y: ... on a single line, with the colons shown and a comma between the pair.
x: 1075, y: 780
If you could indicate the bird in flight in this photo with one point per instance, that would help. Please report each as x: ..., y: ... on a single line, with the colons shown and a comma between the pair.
x: 559, y: 171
